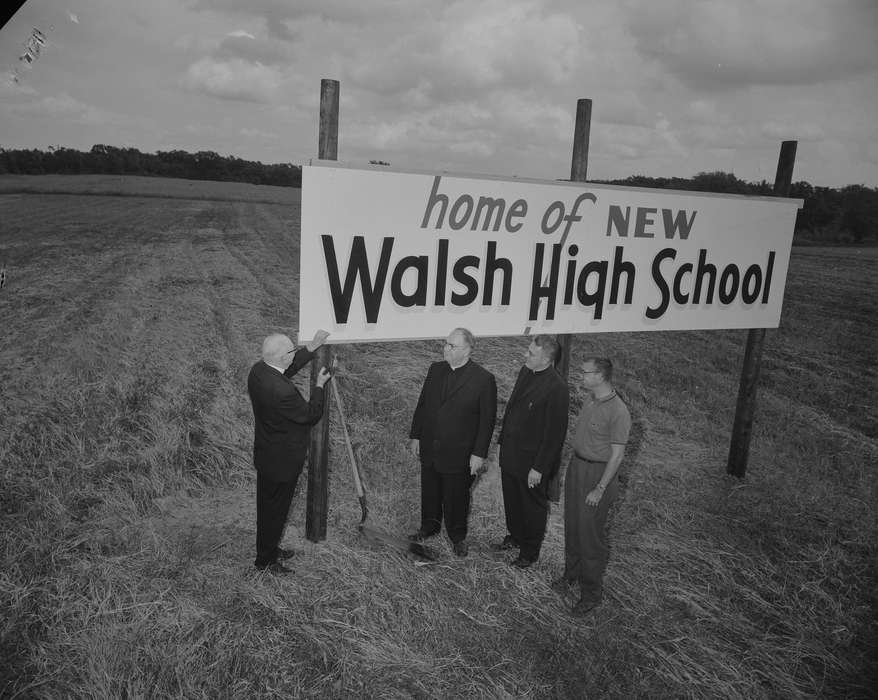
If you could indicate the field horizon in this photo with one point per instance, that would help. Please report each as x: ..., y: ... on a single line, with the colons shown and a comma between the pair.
x: 130, y: 319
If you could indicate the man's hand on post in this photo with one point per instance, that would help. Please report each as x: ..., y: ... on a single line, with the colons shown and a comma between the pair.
x: 475, y: 464
x: 533, y: 478
x: 323, y: 376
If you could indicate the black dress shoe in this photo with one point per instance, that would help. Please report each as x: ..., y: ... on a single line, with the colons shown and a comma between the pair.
x: 461, y: 548
x: 507, y: 543
x: 275, y: 568
x: 285, y: 553
x: 421, y: 535
x: 523, y: 562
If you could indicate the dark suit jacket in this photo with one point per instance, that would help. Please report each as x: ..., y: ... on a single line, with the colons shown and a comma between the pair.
x: 450, y: 431
x: 535, y: 424
x: 283, y: 418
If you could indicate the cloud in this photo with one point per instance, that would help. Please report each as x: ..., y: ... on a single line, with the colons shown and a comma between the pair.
x: 11, y: 89
x: 508, y: 43
x: 870, y: 153
x: 234, y: 79
x: 441, y: 49
x: 438, y: 126
x: 798, y: 130
x: 245, y: 46
x: 636, y: 143
x: 196, y: 43
x: 203, y: 129
x: 524, y: 117
x: 258, y: 134
x: 623, y: 107
x: 718, y: 45
x: 68, y: 108
x: 280, y: 14
x: 465, y: 49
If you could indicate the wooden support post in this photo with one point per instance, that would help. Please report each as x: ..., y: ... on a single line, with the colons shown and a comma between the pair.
x: 578, y: 170
x: 318, y: 462
x: 327, y: 144
x: 579, y: 165
x: 746, y: 406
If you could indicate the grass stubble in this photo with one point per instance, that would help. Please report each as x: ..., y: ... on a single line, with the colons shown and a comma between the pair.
x: 129, y: 325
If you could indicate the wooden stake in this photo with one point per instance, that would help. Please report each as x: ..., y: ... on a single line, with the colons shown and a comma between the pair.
x: 578, y: 170
x: 317, y: 506
x: 746, y: 406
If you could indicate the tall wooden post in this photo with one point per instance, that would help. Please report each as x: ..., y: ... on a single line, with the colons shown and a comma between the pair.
x: 743, y: 427
x: 318, y: 462
x: 578, y: 171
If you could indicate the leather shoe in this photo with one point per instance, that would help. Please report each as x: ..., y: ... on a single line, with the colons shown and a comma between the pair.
x: 420, y: 536
x: 461, y: 548
x: 285, y: 553
x: 523, y: 562
x: 275, y: 568
x: 507, y: 543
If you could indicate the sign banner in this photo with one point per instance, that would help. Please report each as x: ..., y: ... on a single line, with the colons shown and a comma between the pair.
x: 388, y: 255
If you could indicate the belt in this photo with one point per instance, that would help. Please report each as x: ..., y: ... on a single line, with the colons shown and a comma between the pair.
x: 586, y: 459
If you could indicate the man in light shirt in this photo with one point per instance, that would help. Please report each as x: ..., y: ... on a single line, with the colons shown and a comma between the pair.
x: 591, y: 486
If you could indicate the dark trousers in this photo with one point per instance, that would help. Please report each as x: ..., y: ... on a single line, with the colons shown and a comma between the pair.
x: 527, y: 510
x: 448, y: 496
x: 586, y: 548
x: 273, y: 499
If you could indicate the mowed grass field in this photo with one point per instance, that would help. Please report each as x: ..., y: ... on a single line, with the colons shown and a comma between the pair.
x: 133, y: 310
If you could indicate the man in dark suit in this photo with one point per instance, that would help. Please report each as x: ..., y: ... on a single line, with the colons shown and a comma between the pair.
x: 283, y: 421
x: 451, y: 433
x: 531, y: 440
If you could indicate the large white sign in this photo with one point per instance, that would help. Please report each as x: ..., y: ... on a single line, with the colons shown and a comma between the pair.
x: 389, y: 255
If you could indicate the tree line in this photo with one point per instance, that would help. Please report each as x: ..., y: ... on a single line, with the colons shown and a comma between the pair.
x: 111, y: 160
x: 829, y: 215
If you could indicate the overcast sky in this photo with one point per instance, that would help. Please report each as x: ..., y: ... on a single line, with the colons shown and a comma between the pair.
x: 473, y: 86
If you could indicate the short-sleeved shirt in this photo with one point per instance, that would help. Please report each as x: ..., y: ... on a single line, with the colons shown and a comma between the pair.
x: 602, y: 422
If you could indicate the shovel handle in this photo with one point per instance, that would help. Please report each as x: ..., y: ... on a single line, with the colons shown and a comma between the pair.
x: 347, y: 439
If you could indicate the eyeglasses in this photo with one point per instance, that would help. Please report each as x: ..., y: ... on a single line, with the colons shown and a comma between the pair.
x: 290, y: 351
x: 591, y: 371
x: 452, y: 346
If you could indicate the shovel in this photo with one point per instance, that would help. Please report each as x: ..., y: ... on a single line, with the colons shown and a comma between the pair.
x: 371, y: 534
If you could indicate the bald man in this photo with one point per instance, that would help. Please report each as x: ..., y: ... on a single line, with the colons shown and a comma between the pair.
x: 450, y: 433
x: 283, y: 421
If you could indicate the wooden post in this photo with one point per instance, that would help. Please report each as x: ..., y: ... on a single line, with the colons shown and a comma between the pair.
x: 746, y: 406
x: 317, y: 506
x: 579, y: 165
x: 578, y: 170
x: 327, y: 144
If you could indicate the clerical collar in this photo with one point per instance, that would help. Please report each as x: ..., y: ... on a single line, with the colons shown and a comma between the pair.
x: 276, y: 367
x: 454, y: 369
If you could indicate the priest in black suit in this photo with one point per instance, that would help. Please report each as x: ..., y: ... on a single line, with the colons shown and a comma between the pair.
x: 283, y: 421
x: 451, y: 432
x: 531, y: 439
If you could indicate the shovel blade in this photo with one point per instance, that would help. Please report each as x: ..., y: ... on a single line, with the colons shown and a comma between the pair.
x: 397, y: 543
